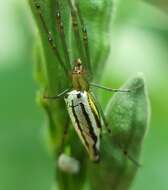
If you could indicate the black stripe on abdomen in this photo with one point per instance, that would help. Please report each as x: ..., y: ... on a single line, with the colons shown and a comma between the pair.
x: 91, y: 131
x: 78, y: 124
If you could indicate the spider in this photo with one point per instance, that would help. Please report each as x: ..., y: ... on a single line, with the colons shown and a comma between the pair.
x: 85, y: 112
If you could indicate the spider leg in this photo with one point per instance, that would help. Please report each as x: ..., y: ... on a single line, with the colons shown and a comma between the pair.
x: 109, y: 89
x: 57, y: 96
x: 115, y: 90
x: 64, y: 135
x: 85, y: 37
x: 50, y: 37
x: 60, y: 28
x: 77, y: 34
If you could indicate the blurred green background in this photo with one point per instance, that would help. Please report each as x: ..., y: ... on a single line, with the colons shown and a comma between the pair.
x: 139, y: 43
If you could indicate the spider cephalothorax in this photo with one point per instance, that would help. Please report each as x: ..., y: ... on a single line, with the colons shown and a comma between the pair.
x: 79, y: 81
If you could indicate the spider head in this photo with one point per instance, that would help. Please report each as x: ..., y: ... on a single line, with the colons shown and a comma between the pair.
x: 78, y: 76
x: 78, y: 68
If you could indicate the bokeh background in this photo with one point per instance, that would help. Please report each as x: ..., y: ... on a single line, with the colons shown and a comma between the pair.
x: 139, y: 43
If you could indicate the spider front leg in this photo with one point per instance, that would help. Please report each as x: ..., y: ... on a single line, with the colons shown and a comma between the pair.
x: 50, y: 37
x: 78, y: 30
x: 60, y: 29
x: 85, y: 37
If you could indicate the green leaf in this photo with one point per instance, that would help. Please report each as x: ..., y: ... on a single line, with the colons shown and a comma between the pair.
x: 128, y: 117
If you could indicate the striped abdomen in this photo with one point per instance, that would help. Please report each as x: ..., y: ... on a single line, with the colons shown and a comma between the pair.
x: 86, y: 121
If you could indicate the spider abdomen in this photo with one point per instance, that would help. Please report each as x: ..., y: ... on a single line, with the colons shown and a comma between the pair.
x: 86, y: 121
